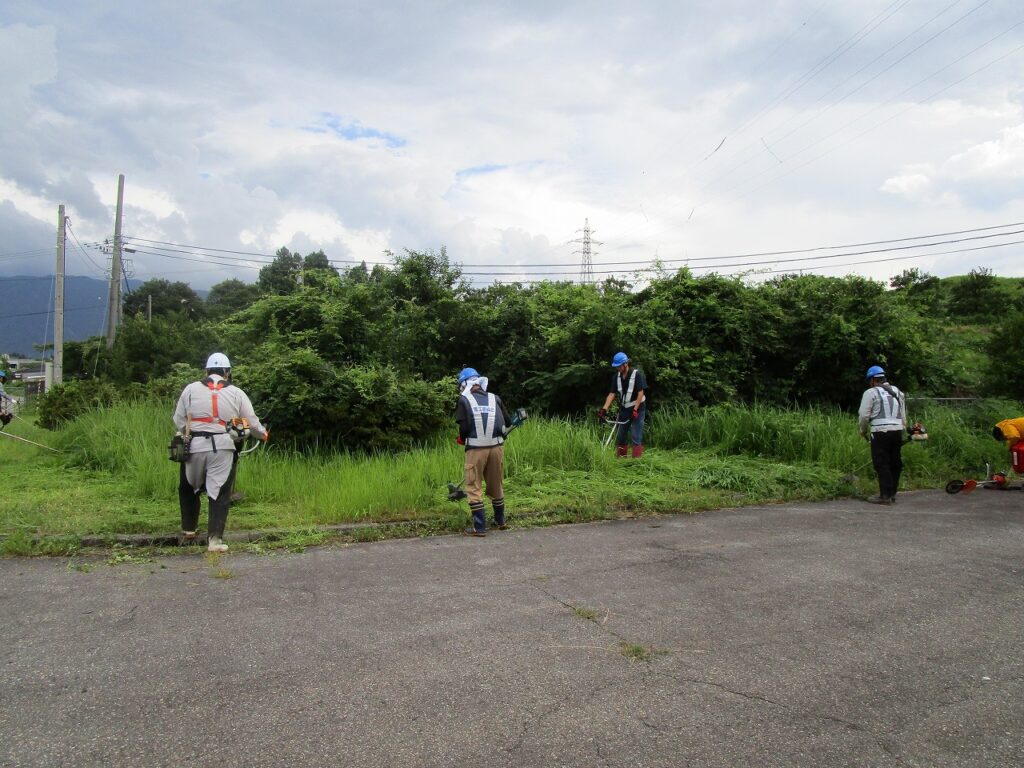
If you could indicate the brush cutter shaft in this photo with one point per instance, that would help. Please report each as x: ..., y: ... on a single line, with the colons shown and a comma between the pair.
x: 30, y: 442
x: 615, y: 427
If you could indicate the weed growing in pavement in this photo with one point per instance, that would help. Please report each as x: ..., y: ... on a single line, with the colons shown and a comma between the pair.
x: 121, y: 556
x: 585, y: 613
x: 637, y: 652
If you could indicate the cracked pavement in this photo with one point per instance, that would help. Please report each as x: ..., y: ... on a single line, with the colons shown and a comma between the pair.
x: 812, y: 634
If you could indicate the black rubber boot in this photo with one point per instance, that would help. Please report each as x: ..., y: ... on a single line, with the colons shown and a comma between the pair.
x: 188, y: 500
x: 499, y: 514
x: 479, y: 527
x: 219, y: 509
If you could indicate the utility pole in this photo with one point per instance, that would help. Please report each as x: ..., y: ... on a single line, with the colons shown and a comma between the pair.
x: 58, y: 300
x: 149, y: 308
x: 114, y: 299
x: 587, y: 264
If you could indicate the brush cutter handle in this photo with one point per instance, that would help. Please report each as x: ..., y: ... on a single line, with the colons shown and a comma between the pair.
x: 250, y: 449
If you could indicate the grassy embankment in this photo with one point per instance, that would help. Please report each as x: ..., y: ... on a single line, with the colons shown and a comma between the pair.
x: 113, y: 475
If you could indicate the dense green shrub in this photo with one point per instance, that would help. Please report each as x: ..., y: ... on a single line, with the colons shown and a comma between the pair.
x: 66, y: 402
x: 302, y: 396
x: 1005, y: 348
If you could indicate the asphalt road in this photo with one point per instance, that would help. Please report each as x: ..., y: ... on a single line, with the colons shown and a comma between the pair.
x: 836, y: 634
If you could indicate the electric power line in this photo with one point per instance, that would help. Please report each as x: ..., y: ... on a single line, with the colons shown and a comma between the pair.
x: 776, y: 139
x: 49, y: 312
x: 821, y: 66
x: 793, y: 169
x: 82, y: 250
x: 744, y: 266
x: 233, y: 262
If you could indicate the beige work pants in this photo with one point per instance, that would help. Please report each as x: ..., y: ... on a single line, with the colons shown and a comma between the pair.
x: 484, y: 465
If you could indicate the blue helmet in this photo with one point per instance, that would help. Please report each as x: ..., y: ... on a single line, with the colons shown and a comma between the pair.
x: 619, y: 359
x: 467, y: 373
x: 3, y: 374
x: 874, y: 372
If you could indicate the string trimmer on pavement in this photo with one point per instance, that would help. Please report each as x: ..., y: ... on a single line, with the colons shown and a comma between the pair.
x: 998, y: 481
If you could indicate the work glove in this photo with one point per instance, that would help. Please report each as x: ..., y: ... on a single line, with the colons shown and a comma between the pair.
x: 636, y: 413
x: 601, y: 413
x: 460, y: 440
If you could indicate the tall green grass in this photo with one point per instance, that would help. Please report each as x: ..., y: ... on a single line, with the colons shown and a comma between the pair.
x: 114, y: 475
x: 958, y: 436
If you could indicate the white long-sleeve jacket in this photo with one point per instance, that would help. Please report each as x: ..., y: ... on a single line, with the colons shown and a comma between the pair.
x: 209, y: 409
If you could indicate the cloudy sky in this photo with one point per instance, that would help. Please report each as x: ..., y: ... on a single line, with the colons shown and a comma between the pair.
x: 687, y: 132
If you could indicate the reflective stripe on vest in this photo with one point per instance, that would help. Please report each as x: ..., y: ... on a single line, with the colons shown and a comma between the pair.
x: 483, y: 438
x: 627, y: 399
x: 892, y: 410
x: 213, y: 386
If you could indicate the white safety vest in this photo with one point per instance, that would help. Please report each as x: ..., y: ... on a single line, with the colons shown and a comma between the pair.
x: 627, y: 399
x: 890, y: 407
x: 484, y: 429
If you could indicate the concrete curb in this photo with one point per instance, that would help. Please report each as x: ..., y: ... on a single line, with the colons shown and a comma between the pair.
x: 239, y: 537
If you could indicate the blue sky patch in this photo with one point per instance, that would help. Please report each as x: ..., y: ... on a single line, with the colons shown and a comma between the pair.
x: 352, y: 130
x: 478, y: 170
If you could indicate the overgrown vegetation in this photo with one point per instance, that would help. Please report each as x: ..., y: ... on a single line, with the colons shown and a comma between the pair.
x: 114, y: 478
x: 751, y: 387
x: 365, y: 359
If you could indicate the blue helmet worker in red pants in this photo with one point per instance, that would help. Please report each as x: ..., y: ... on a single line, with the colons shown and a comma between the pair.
x: 628, y: 385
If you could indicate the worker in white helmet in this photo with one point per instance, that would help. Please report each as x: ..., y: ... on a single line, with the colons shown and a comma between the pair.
x: 204, y: 415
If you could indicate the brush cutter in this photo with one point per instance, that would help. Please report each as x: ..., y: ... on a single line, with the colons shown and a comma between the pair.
x: 997, y: 481
x: 615, y: 428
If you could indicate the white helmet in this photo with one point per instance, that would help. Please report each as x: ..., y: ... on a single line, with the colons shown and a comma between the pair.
x: 218, y: 360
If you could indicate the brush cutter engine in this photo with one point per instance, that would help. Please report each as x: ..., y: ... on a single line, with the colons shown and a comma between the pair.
x: 917, y: 432
x: 239, y: 429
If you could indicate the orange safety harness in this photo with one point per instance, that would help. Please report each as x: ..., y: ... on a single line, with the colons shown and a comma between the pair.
x: 214, y: 419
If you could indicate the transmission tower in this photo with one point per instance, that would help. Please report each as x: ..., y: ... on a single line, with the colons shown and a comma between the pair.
x: 587, y: 253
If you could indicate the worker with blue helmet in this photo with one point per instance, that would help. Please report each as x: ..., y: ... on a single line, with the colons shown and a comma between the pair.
x: 5, y: 401
x: 629, y: 385
x: 882, y: 420
x: 483, y: 423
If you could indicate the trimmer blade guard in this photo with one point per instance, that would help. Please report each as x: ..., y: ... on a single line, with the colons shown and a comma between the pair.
x: 455, y: 492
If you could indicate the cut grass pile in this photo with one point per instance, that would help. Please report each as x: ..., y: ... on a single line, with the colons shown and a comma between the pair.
x: 114, y: 477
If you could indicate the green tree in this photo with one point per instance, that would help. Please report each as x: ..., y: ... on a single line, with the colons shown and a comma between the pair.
x: 978, y: 297
x: 230, y: 296
x: 282, y: 275
x: 143, y: 351
x: 922, y: 291
x: 1002, y: 375
x: 168, y: 298
x: 828, y: 330
x: 317, y: 260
